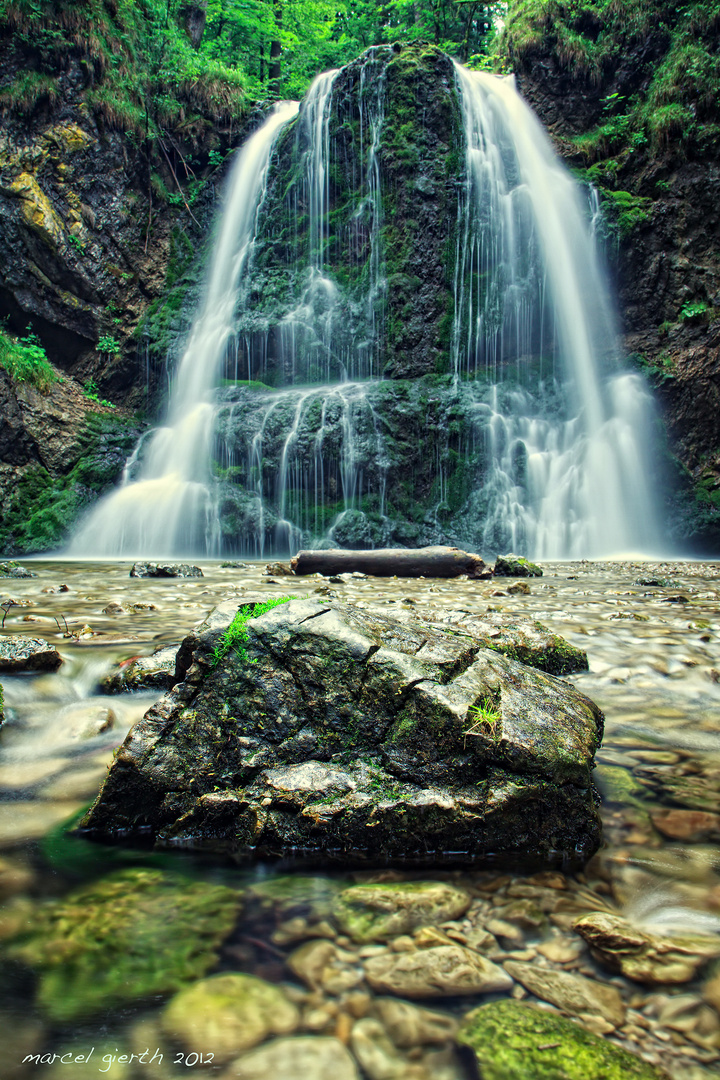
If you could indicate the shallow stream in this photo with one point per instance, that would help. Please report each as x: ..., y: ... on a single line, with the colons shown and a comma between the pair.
x: 652, y: 635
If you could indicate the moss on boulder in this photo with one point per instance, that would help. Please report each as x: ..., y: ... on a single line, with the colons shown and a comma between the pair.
x: 514, y: 1041
x: 130, y: 936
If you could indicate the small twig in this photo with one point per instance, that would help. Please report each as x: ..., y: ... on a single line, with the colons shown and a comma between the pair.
x: 182, y: 194
x: 6, y: 605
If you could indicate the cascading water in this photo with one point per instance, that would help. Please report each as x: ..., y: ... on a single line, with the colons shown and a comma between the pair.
x: 516, y: 430
x: 168, y: 508
x: 531, y: 301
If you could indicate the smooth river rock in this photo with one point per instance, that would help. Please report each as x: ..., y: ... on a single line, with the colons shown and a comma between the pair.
x: 572, y: 993
x: 228, y: 1014
x: 373, y: 912
x: 27, y: 654
x: 641, y: 955
x: 342, y: 733
x: 307, y: 1057
x: 442, y: 971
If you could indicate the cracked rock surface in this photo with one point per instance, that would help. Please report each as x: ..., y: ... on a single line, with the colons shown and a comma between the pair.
x: 343, y: 733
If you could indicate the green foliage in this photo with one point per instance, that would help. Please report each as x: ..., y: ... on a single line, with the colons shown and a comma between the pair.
x: 40, y: 511
x: 693, y: 312
x: 109, y: 345
x: 26, y: 91
x: 627, y: 211
x: 236, y: 635
x: 487, y: 718
x: 91, y: 392
x: 25, y: 360
x: 677, y: 57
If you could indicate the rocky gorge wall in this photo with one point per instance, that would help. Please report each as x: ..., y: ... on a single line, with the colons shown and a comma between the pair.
x: 107, y: 257
x: 629, y: 97
x: 100, y: 229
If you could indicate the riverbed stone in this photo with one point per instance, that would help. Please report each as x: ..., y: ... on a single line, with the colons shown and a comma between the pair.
x: 642, y: 956
x: 310, y: 1057
x: 412, y: 1025
x: 228, y: 1014
x: 515, y: 566
x: 142, y: 672
x: 694, y: 826
x: 339, y: 731
x: 133, y: 935
x: 15, y: 570
x: 375, y: 1051
x: 19, y: 653
x: 514, y: 1040
x: 165, y: 570
x: 441, y: 971
x: 571, y: 993
x: 377, y: 911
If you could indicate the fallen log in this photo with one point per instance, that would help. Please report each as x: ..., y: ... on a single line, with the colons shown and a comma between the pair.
x: 441, y: 562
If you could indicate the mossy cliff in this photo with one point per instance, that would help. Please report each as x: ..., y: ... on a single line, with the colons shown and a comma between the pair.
x: 110, y: 147
x: 394, y: 159
x: 630, y: 93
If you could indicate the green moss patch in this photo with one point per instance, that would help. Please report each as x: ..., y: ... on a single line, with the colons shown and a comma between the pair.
x: 130, y: 936
x: 514, y: 1041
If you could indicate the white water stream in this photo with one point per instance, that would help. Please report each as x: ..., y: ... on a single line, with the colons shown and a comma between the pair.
x: 169, y: 508
x: 560, y: 435
x: 528, y: 286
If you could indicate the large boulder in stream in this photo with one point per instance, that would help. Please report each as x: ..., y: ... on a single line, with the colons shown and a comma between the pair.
x: 341, y: 732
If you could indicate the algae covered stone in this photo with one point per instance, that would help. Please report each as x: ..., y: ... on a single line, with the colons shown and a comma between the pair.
x: 515, y: 566
x: 135, y: 934
x: 373, y: 912
x: 515, y: 1041
x: 228, y: 1014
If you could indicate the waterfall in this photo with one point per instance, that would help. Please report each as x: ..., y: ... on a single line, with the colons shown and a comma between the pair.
x: 169, y: 508
x: 520, y: 431
x: 531, y: 305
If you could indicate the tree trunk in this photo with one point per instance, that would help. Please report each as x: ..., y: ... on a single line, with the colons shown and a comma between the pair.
x: 442, y: 562
x: 193, y: 16
x: 274, y: 67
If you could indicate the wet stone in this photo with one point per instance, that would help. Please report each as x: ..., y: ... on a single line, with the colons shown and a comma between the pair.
x: 512, y: 1039
x: 91, y: 949
x: 694, y: 826
x: 642, y: 956
x: 27, y: 654
x: 411, y: 1025
x: 14, y: 570
x: 142, y: 672
x: 572, y: 993
x: 228, y: 1014
x: 165, y: 570
x: 515, y: 566
x: 442, y: 971
x: 339, y: 729
x: 375, y: 912
x: 306, y: 1056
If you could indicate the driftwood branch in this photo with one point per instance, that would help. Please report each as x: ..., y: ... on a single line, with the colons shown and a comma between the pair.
x: 441, y: 562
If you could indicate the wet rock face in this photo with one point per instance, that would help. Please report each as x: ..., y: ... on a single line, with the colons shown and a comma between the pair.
x: 164, y: 570
x: 408, y: 94
x: 28, y: 654
x: 349, y: 735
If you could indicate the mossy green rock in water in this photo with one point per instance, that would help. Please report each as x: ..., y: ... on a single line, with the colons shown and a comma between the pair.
x: 514, y: 1041
x: 345, y: 734
x: 515, y: 566
x: 135, y: 934
x: 377, y: 911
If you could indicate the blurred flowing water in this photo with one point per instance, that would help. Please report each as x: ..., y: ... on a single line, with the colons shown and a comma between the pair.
x: 552, y: 451
x: 652, y: 634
